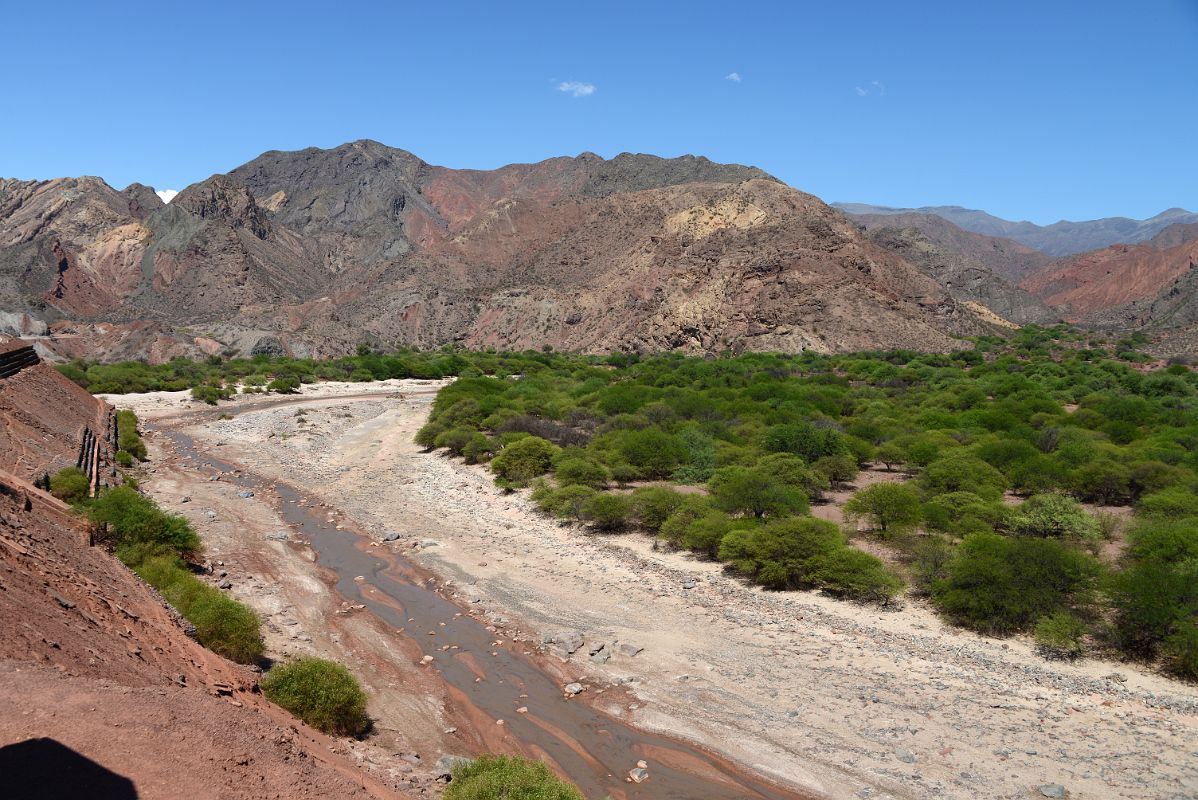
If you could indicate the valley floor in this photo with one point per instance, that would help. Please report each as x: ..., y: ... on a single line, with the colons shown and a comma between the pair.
x: 841, y: 699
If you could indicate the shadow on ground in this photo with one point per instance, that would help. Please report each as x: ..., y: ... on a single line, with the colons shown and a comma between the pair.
x: 43, y: 769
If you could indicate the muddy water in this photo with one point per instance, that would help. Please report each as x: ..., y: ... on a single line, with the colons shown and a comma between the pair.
x: 593, y: 749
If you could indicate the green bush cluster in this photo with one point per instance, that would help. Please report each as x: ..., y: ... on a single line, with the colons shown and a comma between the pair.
x: 128, y: 439
x: 322, y: 693
x: 70, y: 485
x: 1002, y: 444
x: 222, y: 624
x: 507, y: 778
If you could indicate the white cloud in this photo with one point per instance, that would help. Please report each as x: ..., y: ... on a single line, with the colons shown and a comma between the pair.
x: 876, y: 88
x: 733, y: 76
x: 167, y: 195
x: 576, y: 88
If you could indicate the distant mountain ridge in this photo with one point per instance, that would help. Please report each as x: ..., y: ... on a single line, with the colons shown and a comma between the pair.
x: 1059, y: 239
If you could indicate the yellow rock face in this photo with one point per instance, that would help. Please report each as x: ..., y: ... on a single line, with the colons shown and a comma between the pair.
x: 702, y: 221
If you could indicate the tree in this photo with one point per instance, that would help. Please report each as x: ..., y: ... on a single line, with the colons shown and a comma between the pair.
x: 891, y: 454
x: 889, y: 506
x: 322, y: 693
x: 744, y: 490
x: 839, y: 469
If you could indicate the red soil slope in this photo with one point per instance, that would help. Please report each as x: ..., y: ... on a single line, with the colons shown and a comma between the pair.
x: 93, y: 659
x: 1106, y: 278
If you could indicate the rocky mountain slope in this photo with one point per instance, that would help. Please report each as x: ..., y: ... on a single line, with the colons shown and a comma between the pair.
x: 1124, y: 285
x: 317, y: 250
x: 972, y: 267
x: 1059, y: 239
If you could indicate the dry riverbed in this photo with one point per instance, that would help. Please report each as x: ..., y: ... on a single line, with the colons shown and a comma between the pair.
x: 841, y: 699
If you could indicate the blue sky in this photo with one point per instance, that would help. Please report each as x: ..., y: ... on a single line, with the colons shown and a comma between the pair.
x: 1030, y: 110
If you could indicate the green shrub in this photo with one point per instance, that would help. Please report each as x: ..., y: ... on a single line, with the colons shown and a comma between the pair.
x: 1156, y: 594
x: 838, y: 469
x: 211, y: 394
x: 653, y: 505
x: 70, y: 485
x: 999, y: 585
x: 132, y: 518
x: 456, y: 440
x: 690, y: 508
x: 706, y: 533
x: 887, y: 506
x: 285, y: 384
x: 507, y: 778
x: 426, y: 437
x: 607, y: 512
x: 961, y: 472
x: 855, y: 574
x: 1055, y: 516
x: 227, y: 627
x: 581, y: 471
x: 127, y: 436
x: 930, y: 563
x: 1059, y: 635
x: 1175, y: 502
x: 564, y: 503
x: 525, y: 459
x: 322, y: 693
x: 783, y: 554
x: 124, y: 458
x: 222, y: 624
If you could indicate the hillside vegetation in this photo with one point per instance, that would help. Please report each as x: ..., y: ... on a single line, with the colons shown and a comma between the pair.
x: 1011, y: 457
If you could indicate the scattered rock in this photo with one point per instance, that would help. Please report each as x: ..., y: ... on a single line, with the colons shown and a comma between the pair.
x: 246, y: 493
x: 278, y: 536
x: 225, y: 584
x: 638, y: 774
x: 1054, y: 790
x: 574, y: 688
x: 570, y: 641
x: 186, y: 499
x: 905, y: 756
x: 689, y: 584
x: 628, y: 649
x: 391, y: 536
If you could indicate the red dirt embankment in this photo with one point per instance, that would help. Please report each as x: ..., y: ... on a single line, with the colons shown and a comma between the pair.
x: 91, y: 657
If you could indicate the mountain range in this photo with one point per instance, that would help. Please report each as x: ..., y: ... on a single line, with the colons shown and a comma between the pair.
x: 1058, y: 239
x: 313, y: 252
